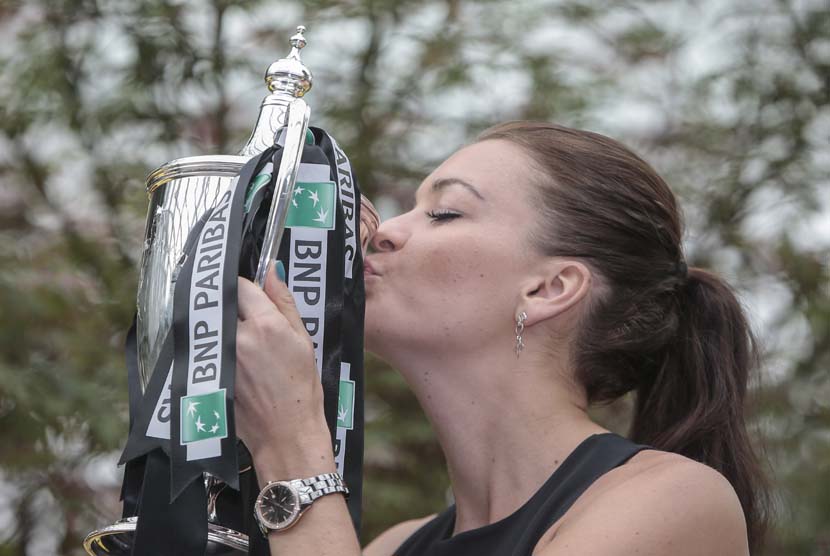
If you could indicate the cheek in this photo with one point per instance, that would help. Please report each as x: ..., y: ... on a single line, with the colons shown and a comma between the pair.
x: 449, y: 294
x: 461, y: 283
x: 450, y: 266
x: 456, y: 266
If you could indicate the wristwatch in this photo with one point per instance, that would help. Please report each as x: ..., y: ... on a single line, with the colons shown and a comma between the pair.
x: 281, y: 503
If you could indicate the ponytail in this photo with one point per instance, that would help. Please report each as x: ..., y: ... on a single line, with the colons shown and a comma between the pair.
x: 694, y: 404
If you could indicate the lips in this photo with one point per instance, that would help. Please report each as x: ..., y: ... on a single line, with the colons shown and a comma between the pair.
x: 368, y: 269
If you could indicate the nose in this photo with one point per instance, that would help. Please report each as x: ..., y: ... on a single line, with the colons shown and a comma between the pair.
x: 389, y: 236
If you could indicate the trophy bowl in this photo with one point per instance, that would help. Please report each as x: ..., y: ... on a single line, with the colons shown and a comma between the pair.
x: 181, y: 192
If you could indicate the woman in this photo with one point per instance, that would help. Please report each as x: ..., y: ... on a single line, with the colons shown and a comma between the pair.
x: 540, y: 271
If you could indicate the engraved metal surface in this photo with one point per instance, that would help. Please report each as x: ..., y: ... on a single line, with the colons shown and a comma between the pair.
x: 181, y: 192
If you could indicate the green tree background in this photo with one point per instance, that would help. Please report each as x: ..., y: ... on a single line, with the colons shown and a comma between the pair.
x: 729, y: 100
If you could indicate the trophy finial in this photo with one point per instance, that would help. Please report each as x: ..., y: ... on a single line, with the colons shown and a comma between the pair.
x: 288, y: 79
x: 298, y: 40
x: 289, y: 75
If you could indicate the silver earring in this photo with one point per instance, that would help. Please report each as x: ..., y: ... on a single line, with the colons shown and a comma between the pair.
x: 520, y: 327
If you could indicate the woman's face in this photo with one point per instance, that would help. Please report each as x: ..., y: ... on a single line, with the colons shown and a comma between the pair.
x: 449, y: 280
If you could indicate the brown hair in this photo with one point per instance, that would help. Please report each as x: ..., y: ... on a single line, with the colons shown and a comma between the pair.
x: 680, y: 340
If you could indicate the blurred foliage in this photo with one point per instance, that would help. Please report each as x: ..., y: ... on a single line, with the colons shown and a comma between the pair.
x: 728, y: 100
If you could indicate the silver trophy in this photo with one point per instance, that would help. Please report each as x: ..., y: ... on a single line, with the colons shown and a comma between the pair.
x: 181, y: 192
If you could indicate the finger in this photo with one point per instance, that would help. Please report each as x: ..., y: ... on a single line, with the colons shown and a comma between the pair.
x: 251, y: 300
x: 282, y: 297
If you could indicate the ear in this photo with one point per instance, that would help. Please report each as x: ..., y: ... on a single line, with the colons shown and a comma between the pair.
x: 558, y: 286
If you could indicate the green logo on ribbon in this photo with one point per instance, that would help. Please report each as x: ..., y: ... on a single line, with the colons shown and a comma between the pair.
x: 345, y: 405
x: 312, y: 205
x: 203, y: 417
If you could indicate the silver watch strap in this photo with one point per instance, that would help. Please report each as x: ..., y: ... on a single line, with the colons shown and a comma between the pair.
x: 314, y: 487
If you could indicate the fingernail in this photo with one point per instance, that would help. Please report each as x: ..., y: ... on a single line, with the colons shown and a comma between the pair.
x: 280, y: 271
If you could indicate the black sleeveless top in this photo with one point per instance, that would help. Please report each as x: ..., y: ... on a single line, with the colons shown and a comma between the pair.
x: 518, y: 533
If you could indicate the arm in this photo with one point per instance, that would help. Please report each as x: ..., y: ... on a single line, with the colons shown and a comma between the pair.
x: 678, y: 507
x: 326, y: 527
x: 329, y: 515
x: 279, y: 415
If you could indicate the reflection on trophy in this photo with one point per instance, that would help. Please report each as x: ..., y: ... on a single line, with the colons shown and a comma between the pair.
x: 184, y: 195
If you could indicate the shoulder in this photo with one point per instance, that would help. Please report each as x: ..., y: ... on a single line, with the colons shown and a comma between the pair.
x: 387, y: 542
x: 657, y: 503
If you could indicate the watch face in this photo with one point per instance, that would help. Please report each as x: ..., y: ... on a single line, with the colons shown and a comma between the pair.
x: 278, y: 506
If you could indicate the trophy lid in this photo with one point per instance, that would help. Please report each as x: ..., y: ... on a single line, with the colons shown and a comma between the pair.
x: 289, y: 75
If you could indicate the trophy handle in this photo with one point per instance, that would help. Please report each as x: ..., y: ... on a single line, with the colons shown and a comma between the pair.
x: 296, y: 127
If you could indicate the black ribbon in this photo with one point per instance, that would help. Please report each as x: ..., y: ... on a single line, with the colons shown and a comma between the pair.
x: 350, y: 448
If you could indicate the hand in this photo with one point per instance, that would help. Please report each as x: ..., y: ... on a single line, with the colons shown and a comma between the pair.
x: 279, y: 399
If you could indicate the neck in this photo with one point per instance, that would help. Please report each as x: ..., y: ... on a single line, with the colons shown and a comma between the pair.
x: 504, y: 425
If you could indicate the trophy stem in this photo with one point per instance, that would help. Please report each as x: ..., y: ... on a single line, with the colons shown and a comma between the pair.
x: 214, y: 487
x: 298, y: 117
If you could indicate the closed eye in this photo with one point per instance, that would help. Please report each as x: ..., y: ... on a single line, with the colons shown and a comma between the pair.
x: 439, y: 215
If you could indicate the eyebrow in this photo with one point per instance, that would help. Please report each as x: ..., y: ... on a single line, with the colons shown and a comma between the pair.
x: 442, y: 183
